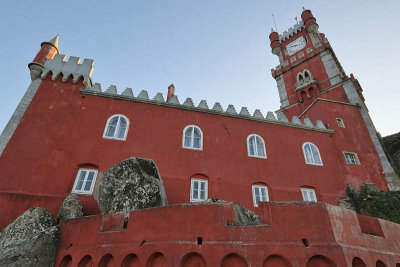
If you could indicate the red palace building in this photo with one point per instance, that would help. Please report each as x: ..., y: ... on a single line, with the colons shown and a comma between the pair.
x: 290, y: 168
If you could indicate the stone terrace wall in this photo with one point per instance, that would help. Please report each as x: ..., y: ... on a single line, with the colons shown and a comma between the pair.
x: 292, y: 234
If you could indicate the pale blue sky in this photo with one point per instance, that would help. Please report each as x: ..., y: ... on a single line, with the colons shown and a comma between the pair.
x: 213, y: 50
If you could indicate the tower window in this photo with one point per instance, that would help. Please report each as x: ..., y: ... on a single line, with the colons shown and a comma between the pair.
x: 192, y: 137
x: 84, y: 182
x: 340, y: 122
x: 311, y: 154
x: 351, y: 158
x: 308, y: 194
x: 260, y: 194
x: 256, y: 146
x: 116, y: 127
x: 198, y: 190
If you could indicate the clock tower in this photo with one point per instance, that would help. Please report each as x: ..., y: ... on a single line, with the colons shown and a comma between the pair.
x: 312, y: 84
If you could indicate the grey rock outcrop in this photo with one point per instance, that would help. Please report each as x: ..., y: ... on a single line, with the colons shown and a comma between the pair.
x: 71, y: 208
x: 31, y: 240
x: 244, y: 216
x: 130, y: 185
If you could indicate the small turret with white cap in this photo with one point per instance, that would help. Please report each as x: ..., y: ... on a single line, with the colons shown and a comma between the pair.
x: 47, y: 51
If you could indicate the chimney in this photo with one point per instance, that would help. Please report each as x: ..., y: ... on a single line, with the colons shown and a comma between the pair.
x: 171, y: 91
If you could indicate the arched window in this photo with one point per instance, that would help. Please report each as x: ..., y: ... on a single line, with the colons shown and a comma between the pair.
x: 116, y: 127
x: 84, y: 182
x: 198, y: 190
x: 306, y: 75
x: 260, y: 193
x: 256, y: 146
x: 300, y: 78
x: 311, y: 154
x: 192, y: 137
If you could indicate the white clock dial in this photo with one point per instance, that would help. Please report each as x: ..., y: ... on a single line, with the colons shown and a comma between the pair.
x: 296, y: 45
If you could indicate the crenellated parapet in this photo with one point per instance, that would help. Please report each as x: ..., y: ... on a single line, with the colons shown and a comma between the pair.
x: 203, y: 106
x: 72, y: 67
x: 292, y: 31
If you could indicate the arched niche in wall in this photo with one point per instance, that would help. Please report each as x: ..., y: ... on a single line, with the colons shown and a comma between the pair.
x: 86, y: 261
x: 233, y: 260
x: 303, y: 96
x: 357, y: 262
x: 320, y: 261
x: 276, y: 261
x: 66, y: 261
x: 380, y: 263
x: 107, y: 261
x: 193, y: 259
x: 157, y: 259
x: 130, y: 260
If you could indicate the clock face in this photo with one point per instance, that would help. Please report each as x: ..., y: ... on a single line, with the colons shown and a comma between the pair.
x: 296, y: 45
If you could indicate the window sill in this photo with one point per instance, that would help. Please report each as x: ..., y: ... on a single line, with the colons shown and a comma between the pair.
x: 321, y: 165
x: 251, y: 156
x: 191, y: 148
x: 113, y: 138
x: 82, y: 193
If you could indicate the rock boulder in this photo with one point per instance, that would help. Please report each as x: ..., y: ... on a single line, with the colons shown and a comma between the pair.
x: 71, y: 208
x: 130, y: 185
x: 31, y: 240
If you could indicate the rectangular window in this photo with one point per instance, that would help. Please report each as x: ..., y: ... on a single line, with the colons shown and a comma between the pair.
x: 84, y: 182
x: 260, y: 194
x: 198, y: 190
x: 308, y: 194
x: 351, y: 158
x: 340, y: 122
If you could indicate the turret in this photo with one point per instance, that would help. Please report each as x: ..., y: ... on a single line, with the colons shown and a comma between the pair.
x: 47, y: 51
x: 312, y: 27
x: 276, y: 45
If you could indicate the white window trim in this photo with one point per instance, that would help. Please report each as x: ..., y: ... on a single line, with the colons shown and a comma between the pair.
x: 254, y: 194
x: 83, y: 192
x: 341, y: 121
x: 117, y: 128
x: 201, y: 137
x: 308, y: 190
x: 305, y: 156
x: 192, y: 187
x: 354, y: 154
x: 248, y: 147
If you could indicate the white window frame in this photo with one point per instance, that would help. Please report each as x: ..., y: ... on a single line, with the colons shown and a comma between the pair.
x: 253, y: 189
x: 82, y: 191
x: 192, y: 138
x: 356, y: 159
x: 198, y: 199
x: 305, y: 156
x: 340, y: 123
x: 308, y: 194
x: 255, y: 148
x: 115, y: 136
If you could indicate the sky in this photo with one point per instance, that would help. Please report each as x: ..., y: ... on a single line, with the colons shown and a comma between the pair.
x: 217, y: 50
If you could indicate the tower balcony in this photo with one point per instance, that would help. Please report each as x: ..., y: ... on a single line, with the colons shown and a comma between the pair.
x: 303, y: 83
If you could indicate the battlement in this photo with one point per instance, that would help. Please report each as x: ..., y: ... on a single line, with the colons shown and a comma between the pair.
x: 72, y: 67
x: 158, y: 99
x: 292, y: 31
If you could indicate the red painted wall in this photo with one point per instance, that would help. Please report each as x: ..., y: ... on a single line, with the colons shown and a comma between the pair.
x: 289, y: 227
x: 62, y: 129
